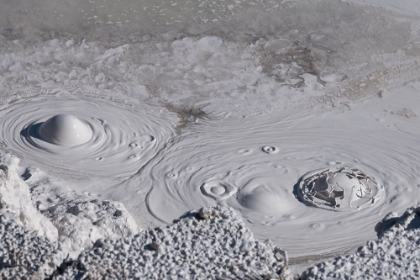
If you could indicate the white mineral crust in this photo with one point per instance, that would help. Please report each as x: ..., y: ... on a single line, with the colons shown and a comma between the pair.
x: 81, y: 219
x: 15, y: 197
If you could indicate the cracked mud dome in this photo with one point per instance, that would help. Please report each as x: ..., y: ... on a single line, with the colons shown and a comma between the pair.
x: 185, y: 105
x: 339, y: 189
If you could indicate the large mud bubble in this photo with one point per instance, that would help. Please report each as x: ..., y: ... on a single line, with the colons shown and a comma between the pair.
x: 65, y: 130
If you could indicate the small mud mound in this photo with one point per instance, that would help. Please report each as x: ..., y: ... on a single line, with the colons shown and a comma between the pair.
x: 65, y: 130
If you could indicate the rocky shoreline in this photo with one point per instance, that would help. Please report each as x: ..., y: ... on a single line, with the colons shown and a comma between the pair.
x: 96, y: 239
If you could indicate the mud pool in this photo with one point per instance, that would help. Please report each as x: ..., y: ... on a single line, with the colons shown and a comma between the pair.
x: 180, y: 105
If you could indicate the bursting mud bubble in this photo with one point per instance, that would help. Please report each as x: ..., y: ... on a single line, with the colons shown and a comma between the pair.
x: 339, y: 189
x: 182, y: 104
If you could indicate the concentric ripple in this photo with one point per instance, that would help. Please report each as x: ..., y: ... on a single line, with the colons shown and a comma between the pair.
x: 270, y: 150
x: 209, y: 158
x: 85, y: 136
x: 218, y: 190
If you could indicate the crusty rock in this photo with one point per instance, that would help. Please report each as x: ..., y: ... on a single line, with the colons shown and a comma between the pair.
x: 25, y: 254
x: 15, y: 197
x: 395, y: 255
x: 80, y: 219
x: 191, y: 248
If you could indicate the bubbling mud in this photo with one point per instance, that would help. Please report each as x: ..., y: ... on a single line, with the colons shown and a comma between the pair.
x: 270, y: 150
x: 256, y: 197
x: 218, y: 190
x: 252, y: 153
x: 215, y: 164
x: 82, y: 136
x: 339, y: 189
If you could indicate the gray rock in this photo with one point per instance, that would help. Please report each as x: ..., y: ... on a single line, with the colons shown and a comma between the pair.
x: 16, y: 198
x: 395, y: 255
x: 191, y: 248
x: 80, y: 218
x: 25, y: 254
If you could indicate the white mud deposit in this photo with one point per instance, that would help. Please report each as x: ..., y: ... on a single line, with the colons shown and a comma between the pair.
x: 15, y: 200
x: 80, y: 218
x: 229, y: 111
x: 44, y: 206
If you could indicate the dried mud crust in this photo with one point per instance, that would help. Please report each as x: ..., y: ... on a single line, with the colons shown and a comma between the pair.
x: 212, y: 243
x: 81, y: 219
x: 15, y: 199
x: 395, y: 255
